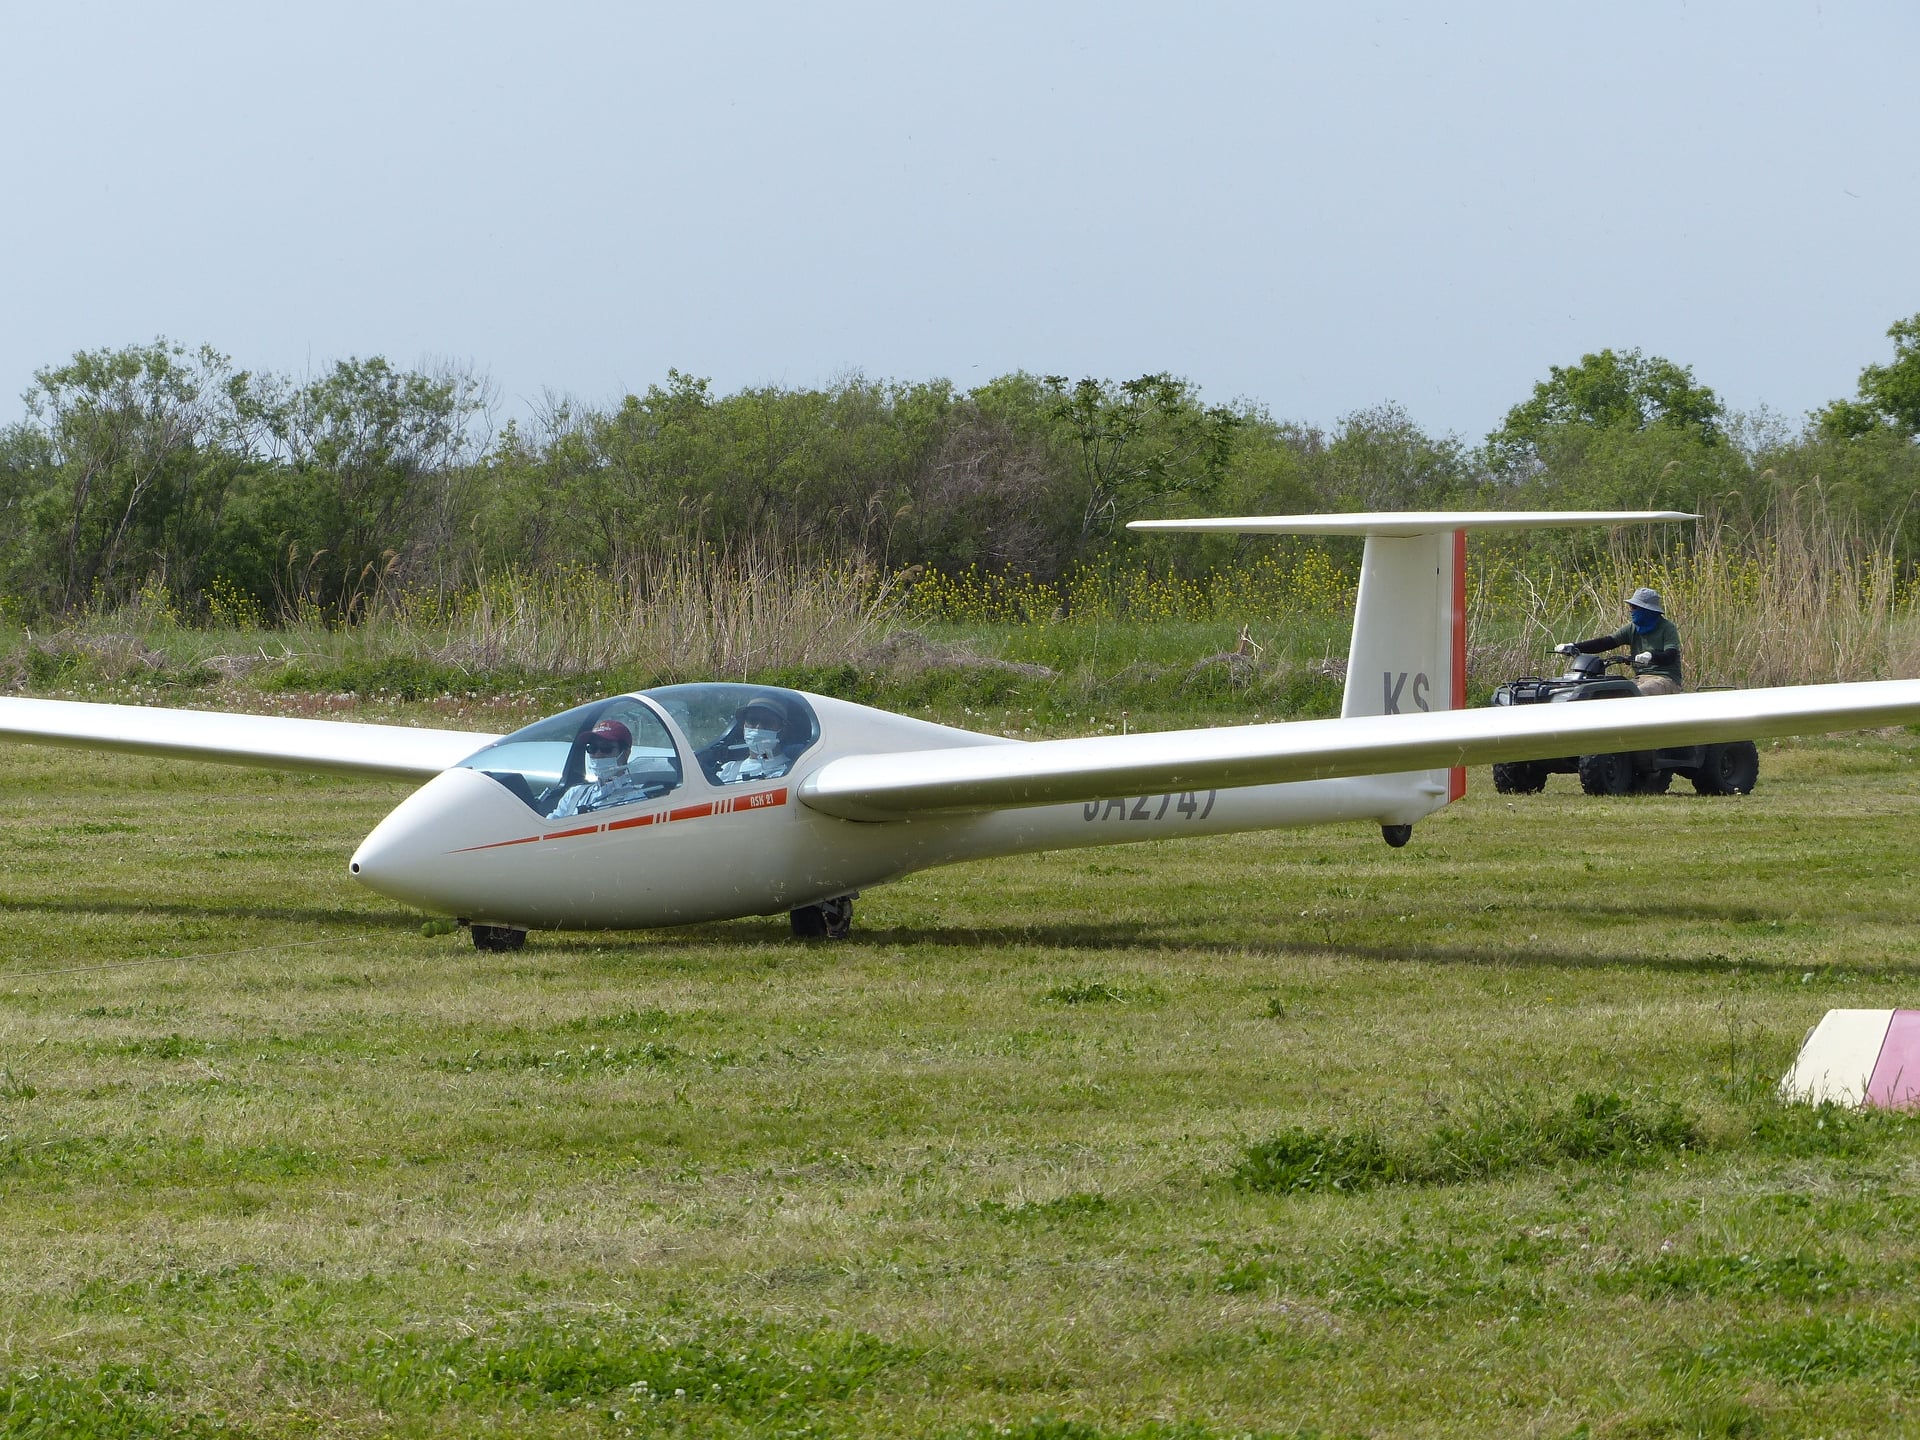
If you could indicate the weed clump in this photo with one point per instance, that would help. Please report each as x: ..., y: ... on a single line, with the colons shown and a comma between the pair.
x: 1590, y: 1129
x: 1304, y: 1160
x: 122, y: 1401
x: 1797, y: 1276
x: 1818, y: 1349
x: 624, y: 1371
x: 1807, y: 1131
x: 1496, y: 1139
x: 1079, y: 1205
x: 1101, y: 992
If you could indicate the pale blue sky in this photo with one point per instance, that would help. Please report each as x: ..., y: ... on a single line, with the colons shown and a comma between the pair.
x: 1317, y: 207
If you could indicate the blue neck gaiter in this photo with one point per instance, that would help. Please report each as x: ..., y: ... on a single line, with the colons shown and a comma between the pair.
x: 1645, y: 622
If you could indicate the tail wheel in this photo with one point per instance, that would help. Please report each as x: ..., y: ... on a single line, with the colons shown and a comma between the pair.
x: 498, y: 938
x: 1654, y: 782
x: 829, y: 920
x: 1607, y: 774
x: 1520, y: 777
x: 1730, y: 769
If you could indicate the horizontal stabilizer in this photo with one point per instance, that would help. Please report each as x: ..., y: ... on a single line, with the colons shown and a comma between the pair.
x: 277, y: 742
x: 1410, y: 522
x: 1047, y: 772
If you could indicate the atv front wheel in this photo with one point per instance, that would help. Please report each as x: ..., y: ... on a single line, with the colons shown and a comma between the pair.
x: 1730, y: 769
x: 1607, y: 774
x: 1520, y: 777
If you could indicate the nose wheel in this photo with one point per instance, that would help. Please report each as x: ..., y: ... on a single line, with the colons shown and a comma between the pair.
x: 829, y: 920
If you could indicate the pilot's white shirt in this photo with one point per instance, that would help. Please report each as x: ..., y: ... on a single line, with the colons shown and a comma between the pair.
x: 734, y: 771
x: 616, y: 789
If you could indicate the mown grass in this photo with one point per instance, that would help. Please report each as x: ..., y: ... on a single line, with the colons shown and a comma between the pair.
x: 1289, y: 1134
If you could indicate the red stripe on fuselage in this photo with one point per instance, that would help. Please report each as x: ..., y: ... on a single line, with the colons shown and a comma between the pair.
x: 495, y: 845
x: 760, y: 800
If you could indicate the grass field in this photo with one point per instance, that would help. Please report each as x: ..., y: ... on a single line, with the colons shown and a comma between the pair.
x: 1289, y: 1134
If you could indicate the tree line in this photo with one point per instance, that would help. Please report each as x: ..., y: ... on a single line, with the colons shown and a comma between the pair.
x: 166, y: 472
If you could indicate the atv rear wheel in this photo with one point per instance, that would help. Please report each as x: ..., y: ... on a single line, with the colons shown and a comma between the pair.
x: 1607, y: 774
x: 1653, y: 782
x: 1730, y: 769
x: 1520, y: 777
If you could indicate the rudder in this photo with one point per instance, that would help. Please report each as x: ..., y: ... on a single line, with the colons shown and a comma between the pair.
x: 1409, y: 650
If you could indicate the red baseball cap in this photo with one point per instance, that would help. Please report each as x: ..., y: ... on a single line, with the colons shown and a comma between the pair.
x: 609, y: 737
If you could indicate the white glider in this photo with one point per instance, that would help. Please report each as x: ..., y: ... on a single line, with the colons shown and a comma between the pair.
x: 701, y: 802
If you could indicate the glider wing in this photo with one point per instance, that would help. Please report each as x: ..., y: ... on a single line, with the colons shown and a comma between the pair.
x: 273, y: 741
x: 1048, y: 772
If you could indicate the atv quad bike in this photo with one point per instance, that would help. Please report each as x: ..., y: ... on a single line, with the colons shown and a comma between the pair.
x: 1729, y: 768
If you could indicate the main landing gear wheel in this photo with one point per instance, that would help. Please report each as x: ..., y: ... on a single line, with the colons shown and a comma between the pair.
x: 829, y: 920
x: 1520, y: 777
x: 1396, y: 835
x: 498, y: 938
x: 1729, y: 769
x: 1606, y: 774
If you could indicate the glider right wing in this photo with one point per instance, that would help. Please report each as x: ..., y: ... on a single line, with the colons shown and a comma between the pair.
x: 1049, y: 772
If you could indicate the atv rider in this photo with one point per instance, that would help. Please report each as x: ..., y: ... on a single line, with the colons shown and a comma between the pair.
x: 1655, y: 642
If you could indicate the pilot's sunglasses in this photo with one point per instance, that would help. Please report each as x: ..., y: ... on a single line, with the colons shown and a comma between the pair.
x: 602, y: 747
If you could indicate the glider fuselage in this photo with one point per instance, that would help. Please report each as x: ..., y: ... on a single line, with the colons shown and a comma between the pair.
x: 469, y: 844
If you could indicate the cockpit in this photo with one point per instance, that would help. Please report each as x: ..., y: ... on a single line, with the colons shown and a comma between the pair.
x: 634, y: 748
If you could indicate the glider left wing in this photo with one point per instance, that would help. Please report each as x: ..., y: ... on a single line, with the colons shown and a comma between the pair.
x: 277, y: 741
x: 1047, y: 772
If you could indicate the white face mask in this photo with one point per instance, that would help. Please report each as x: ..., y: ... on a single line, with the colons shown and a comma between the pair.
x: 601, y: 768
x: 761, y: 743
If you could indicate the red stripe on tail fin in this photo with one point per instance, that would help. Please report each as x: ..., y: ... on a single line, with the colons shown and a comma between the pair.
x: 1457, y: 777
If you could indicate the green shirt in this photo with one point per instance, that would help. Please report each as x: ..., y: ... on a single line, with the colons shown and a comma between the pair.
x: 1663, y: 637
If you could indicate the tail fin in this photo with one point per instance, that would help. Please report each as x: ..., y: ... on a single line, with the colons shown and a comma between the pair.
x: 1409, y: 650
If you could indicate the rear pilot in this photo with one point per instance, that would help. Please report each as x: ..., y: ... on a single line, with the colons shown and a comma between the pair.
x: 763, y: 725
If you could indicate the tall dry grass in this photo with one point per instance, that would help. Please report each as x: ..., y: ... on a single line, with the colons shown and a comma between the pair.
x: 678, y: 613
x: 681, y: 612
x: 1801, y: 597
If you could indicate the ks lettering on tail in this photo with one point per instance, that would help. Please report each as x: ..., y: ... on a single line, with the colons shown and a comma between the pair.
x: 1395, y: 684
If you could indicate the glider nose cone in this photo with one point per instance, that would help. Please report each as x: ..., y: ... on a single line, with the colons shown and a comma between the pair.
x: 419, y: 853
